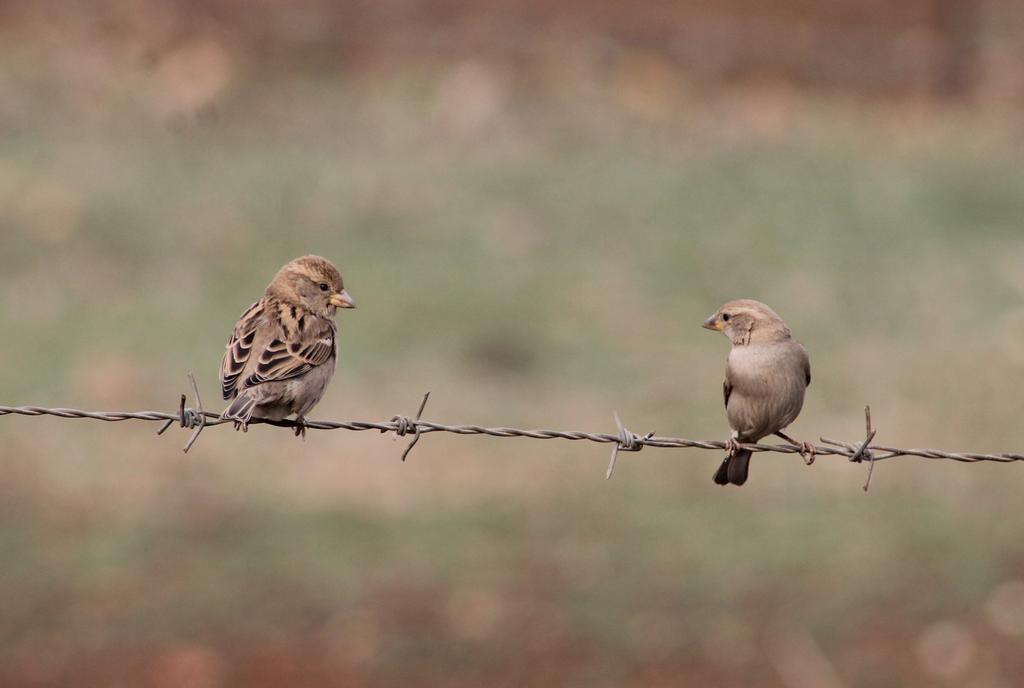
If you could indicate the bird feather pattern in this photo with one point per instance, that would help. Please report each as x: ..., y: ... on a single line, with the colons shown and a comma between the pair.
x: 282, y: 352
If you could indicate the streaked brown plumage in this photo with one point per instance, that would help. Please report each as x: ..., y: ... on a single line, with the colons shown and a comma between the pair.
x: 282, y: 352
x: 765, y: 378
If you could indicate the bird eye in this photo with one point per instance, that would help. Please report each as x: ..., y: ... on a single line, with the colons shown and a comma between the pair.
x: 323, y: 286
x: 725, y: 317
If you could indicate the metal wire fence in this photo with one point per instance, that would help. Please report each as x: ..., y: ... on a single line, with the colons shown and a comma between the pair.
x: 197, y: 419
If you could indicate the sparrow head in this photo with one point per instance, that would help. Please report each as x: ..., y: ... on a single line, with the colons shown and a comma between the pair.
x: 744, y: 321
x: 312, y: 283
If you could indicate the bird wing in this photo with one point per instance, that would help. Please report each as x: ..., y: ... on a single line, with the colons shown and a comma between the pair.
x: 285, y: 357
x: 726, y: 391
x: 807, y: 366
x: 239, y: 347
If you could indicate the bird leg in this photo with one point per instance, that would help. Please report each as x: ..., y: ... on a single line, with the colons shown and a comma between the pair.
x: 732, y: 445
x: 241, y: 425
x: 807, y: 450
x: 300, y: 427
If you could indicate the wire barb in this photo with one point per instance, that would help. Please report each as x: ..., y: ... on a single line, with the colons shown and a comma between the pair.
x: 863, y: 452
x: 627, y: 441
x: 170, y: 421
x: 403, y: 424
x: 193, y: 418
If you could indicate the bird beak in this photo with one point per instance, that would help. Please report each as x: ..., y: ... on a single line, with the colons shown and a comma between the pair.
x: 713, y: 323
x: 342, y: 300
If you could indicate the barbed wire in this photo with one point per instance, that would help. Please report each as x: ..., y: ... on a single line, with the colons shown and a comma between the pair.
x: 197, y: 419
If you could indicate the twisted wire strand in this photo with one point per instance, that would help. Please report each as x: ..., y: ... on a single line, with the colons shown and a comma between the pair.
x: 624, y: 440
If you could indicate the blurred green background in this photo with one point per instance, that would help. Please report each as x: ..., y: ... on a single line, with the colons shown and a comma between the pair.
x: 535, y: 208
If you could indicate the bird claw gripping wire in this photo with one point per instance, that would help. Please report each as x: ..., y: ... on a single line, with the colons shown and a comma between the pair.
x: 403, y: 424
x: 628, y: 441
x: 194, y: 419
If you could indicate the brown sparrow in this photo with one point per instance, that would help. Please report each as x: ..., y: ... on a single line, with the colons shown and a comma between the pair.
x: 282, y: 352
x: 765, y: 378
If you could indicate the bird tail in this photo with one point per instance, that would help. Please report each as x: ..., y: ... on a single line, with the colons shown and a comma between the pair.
x: 734, y: 469
x: 240, y: 410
